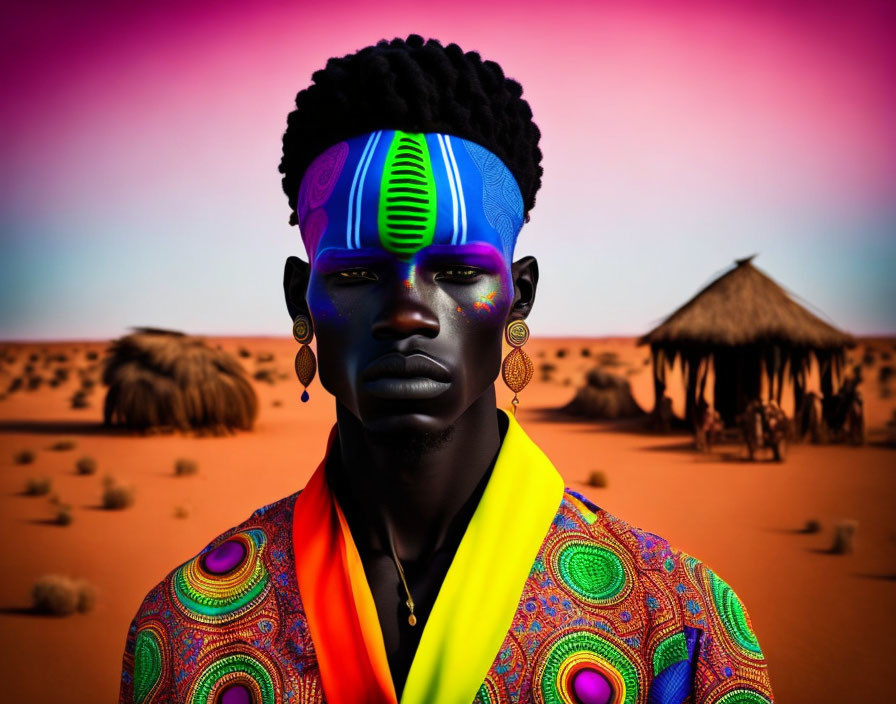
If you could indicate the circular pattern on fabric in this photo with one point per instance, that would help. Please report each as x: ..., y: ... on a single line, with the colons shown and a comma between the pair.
x: 238, y: 678
x: 598, y: 667
x: 517, y: 333
x: 487, y: 694
x: 743, y: 696
x: 148, y: 663
x: 592, y: 571
x: 733, y: 617
x: 218, y: 587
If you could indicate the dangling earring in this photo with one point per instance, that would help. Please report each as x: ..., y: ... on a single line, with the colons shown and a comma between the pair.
x: 517, y: 369
x: 306, y: 362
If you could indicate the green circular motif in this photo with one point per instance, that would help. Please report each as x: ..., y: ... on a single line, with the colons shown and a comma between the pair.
x: 734, y: 618
x: 147, y: 664
x: 744, y: 696
x: 235, y: 664
x: 591, y: 571
x: 669, y: 564
x: 585, y: 643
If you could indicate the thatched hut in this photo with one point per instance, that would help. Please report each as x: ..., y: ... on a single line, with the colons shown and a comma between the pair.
x: 744, y: 325
x: 162, y: 380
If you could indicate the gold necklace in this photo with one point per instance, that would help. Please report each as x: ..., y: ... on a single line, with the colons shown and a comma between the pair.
x: 410, y: 602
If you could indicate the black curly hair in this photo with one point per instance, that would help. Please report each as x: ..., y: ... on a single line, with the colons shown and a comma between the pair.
x: 414, y: 86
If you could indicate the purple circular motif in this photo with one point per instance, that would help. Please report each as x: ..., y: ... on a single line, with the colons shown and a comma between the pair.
x: 591, y: 687
x: 225, y: 558
x: 312, y: 229
x: 320, y: 178
x: 235, y: 694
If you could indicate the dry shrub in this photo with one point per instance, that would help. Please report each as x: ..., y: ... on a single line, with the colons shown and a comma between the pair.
x: 609, y: 359
x: 604, y: 395
x: 162, y: 380
x: 844, y: 532
x: 561, y: 352
x: 597, y: 479
x: 181, y: 512
x: 586, y: 351
x: 24, y: 457
x: 547, y: 369
x: 63, y: 514
x: 92, y: 355
x: 185, y: 467
x: 63, y: 445
x: 38, y: 486
x: 244, y: 353
x: 868, y: 357
x: 812, y: 526
x: 62, y: 596
x: 16, y: 384
x: 263, y: 357
x: 35, y: 382
x: 276, y: 403
x: 79, y: 399
x: 117, y: 496
x: 86, y: 465
x: 266, y: 374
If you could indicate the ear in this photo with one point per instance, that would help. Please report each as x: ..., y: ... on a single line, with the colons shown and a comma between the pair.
x: 295, y: 283
x: 525, y: 280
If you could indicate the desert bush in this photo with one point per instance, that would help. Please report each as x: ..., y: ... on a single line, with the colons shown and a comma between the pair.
x: 586, y: 351
x: 276, y: 403
x: 184, y: 467
x: 604, y: 395
x: 62, y: 596
x: 812, y: 526
x: 561, y: 352
x: 35, y: 382
x: 609, y: 359
x: 88, y: 383
x: 263, y: 357
x: 244, y: 353
x: 266, y: 374
x: 63, y: 514
x: 116, y: 496
x: 33, y: 357
x: 547, y: 369
x: 844, y: 532
x: 597, y: 479
x: 868, y: 357
x: 86, y: 465
x: 79, y: 400
x: 92, y: 355
x: 24, y: 457
x: 38, y: 486
x: 181, y: 512
x: 16, y: 384
x: 63, y: 445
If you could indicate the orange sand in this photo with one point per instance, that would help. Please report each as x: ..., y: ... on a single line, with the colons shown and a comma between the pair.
x: 827, y: 623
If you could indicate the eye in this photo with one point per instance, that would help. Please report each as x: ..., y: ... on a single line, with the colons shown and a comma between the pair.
x: 350, y: 276
x: 458, y: 274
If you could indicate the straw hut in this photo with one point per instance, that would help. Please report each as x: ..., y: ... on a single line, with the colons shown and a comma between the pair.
x: 744, y: 325
x: 162, y: 380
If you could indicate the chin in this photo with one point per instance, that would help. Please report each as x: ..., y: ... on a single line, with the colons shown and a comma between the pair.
x: 407, y: 421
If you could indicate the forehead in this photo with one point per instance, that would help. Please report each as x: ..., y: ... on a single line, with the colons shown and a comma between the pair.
x: 402, y: 192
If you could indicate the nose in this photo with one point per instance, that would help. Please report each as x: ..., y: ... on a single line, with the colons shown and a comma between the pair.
x: 405, y: 313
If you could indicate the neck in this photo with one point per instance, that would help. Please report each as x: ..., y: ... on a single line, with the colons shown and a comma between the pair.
x: 414, y: 485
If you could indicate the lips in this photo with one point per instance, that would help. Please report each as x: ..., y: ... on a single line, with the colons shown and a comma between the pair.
x: 396, y: 376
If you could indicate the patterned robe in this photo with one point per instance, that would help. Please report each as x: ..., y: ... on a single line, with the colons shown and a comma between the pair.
x: 608, y: 614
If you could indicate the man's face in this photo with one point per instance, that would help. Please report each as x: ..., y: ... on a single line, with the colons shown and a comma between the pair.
x: 410, y: 282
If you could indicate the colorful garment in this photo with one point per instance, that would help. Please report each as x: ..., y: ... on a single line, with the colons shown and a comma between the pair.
x: 549, y: 599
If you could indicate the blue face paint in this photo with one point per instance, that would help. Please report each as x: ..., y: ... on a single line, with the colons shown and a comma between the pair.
x: 402, y: 194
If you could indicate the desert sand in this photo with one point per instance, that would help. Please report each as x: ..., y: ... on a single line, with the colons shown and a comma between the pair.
x: 826, y: 622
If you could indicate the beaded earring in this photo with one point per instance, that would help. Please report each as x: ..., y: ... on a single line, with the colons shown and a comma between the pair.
x: 306, y: 362
x: 517, y: 369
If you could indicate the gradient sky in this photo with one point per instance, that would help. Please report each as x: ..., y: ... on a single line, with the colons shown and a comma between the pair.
x: 140, y: 144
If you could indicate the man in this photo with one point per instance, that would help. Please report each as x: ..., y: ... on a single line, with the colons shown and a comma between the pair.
x: 434, y: 556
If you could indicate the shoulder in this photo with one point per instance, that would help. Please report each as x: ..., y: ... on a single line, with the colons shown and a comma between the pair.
x: 677, y: 593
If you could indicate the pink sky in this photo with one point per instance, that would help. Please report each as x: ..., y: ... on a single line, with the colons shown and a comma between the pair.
x: 141, y: 146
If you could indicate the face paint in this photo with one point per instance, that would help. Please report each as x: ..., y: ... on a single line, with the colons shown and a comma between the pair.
x: 401, y: 192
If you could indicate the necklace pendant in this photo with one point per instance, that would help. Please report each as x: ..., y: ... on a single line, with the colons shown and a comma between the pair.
x: 412, y: 620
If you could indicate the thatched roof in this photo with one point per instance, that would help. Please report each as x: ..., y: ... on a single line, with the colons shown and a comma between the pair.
x: 166, y: 380
x: 742, y: 307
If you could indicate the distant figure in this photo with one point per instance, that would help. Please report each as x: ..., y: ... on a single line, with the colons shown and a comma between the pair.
x: 708, y: 426
x: 846, y: 415
x: 764, y: 424
x: 809, y: 420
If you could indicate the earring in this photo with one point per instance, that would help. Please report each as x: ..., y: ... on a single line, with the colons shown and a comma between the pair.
x: 306, y: 362
x: 517, y: 369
